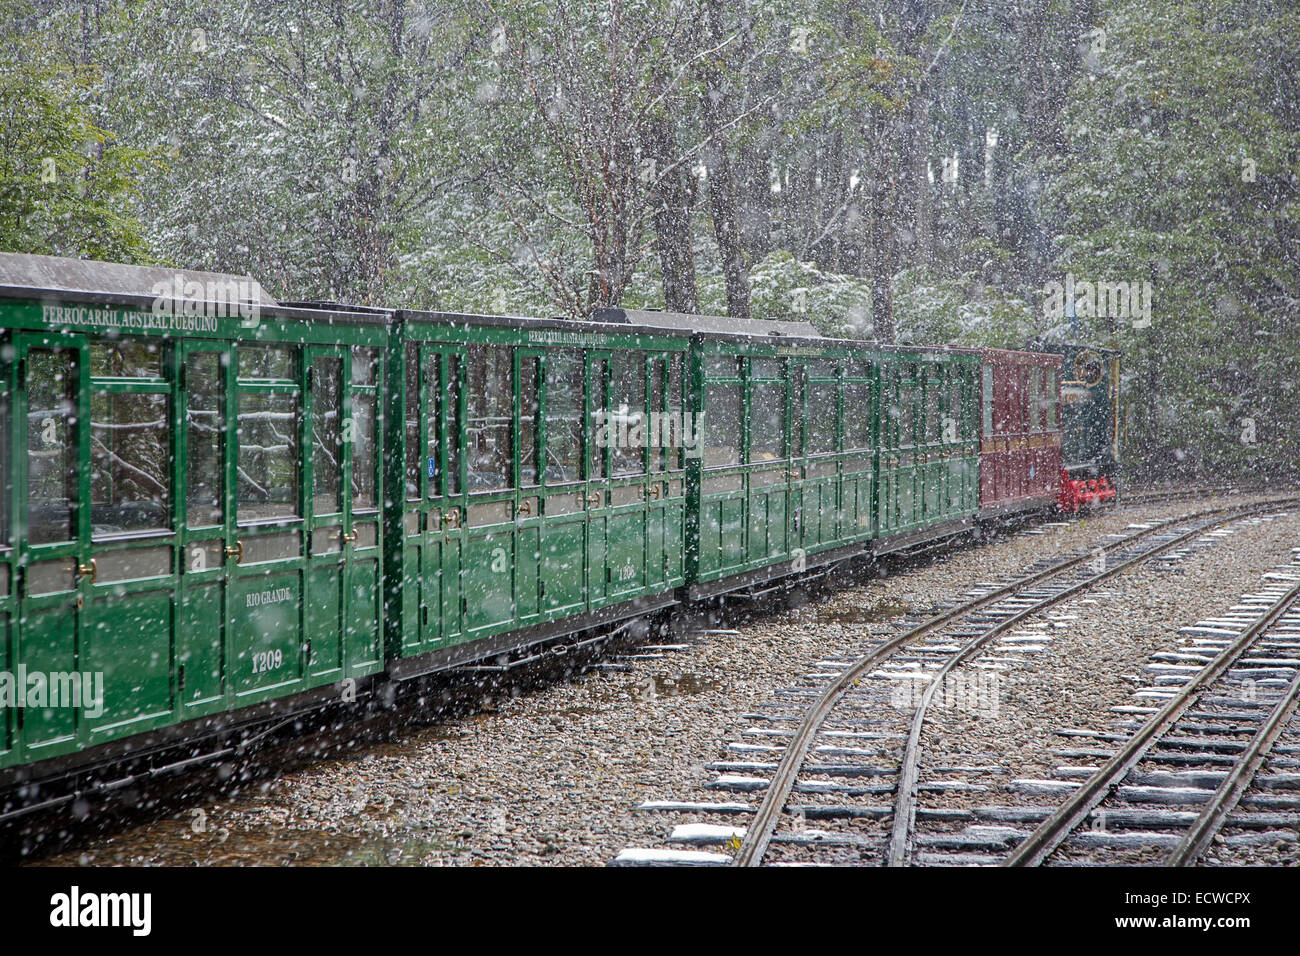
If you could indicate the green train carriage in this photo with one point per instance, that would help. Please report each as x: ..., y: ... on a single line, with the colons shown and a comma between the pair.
x: 531, y: 499
x: 200, y: 568
x: 404, y: 492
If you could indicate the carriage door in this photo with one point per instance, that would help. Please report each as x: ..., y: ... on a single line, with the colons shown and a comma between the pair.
x: 55, y: 550
x: 440, y: 440
x: 97, y: 594
x: 341, y: 612
x: 266, y: 562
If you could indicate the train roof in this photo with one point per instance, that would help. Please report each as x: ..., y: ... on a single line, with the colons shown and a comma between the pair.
x: 717, y: 324
x: 58, y: 274
x: 60, y: 279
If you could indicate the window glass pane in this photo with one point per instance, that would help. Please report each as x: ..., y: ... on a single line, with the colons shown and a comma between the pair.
x: 413, y: 442
x: 932, y: 423
x: 767, y: 422
x: 365, y: 366
x: 1053, y: 395
x: 955, y: 411
x: 267, y: 485
x: 821, y: 418
x: 859, y: 368
x: 364, y: 464
x: 797, y: 411
x: 765, y: 368
x: 628, y: 406
x: 1036, y: 399
x: 129, y: 358
x: 327, y: 436
x: 857, y: 415
x: 722, y: 366
x: 722, y: 426
x: 491, y: 416
x: 528, y: 412
x: 676, y: 458
x: 266, y: 361
x: 51, y: 444
x: 130, y: 481
x: 455, y: 438
x: 907, y: 416
x: 595, y: 453
x: 564, y: 411
x: 986, y: 401
x: 431, y: 460
x: 205, y: 425
x: 660, y: 434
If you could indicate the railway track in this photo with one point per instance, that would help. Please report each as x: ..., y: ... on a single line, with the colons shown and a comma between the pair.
x: 935, y: 648
x: 1219, y: 729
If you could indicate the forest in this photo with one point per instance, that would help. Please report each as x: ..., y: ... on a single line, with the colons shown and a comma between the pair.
x: 979, y: 172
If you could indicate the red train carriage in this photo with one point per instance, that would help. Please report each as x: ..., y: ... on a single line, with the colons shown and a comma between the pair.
x: 1020, y: 433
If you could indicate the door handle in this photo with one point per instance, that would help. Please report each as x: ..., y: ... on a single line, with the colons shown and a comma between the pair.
x: 523, y: 508
x: 349, y: 538
x: 237, y: 552
x: 594, y: 499
x: 451, y: 517
x: 90, y: 570
x: 655, y: 491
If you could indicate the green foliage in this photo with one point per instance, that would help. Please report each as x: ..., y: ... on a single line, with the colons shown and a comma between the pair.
x: 67, y: 187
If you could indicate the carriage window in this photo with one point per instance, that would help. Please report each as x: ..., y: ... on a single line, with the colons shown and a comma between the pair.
x: 798, y: 382
x: 952, y: 427
x: 767, y: 421
x: 455, y: 442
x: 365, y: 463
x: 4, y: 467
x: 51, y: 445
x: 490, y: 417
x: 722, y: 426
x: 658, y: 438
x: 529, y: 410
x: 765, y: 369
x: 933, y: 426
x: 130, y: 477
x: 266, y: 362
x: 365, y: 366
x: 1053, y: 396
x: 363, y: 452
x: 676, y: 457
x: 564, y: 385
x: 986, y: 401
x: 907, y: 416
x: 821, y: 418
x: 205, y: 425
x: 413, y: 443
x: 327, y: 436
x: 722, y: 366
x: 857, y: 415
x: 132, y: 358
x: 1036, y: 400
x: 597, y: 402
x: 268, y: 455
x: 628, y: 408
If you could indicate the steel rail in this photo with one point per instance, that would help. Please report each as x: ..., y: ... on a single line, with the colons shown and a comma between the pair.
x: 758, y: 834
x: 1053, y: 831
x: 909, y: 772
x: 1229, y: 793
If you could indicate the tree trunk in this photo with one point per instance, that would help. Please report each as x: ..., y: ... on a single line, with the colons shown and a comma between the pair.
x: 672, y: 201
